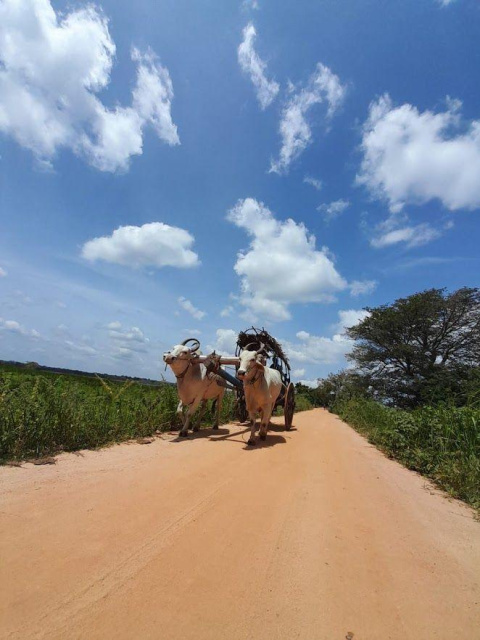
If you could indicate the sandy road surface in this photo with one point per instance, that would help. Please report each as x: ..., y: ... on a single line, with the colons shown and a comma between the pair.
x: 311, y: 536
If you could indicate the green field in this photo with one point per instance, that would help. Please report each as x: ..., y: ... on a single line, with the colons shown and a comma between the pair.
x: 42, y: 412
x: 441, y: 442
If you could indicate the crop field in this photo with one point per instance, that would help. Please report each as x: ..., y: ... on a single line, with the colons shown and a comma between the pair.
x: 43, y: 413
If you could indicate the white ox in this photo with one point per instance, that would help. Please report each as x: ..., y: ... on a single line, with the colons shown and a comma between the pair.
x: 262, y: 386
x: 195, y: 386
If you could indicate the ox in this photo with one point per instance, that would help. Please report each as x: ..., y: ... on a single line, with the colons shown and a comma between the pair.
x: 194, y: 384
x: 262, y: 387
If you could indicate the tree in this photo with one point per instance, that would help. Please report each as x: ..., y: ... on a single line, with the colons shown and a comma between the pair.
x: 427, y: 338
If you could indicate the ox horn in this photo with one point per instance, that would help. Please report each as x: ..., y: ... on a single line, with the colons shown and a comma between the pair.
x: 250, y: 344
x: 196, y: 345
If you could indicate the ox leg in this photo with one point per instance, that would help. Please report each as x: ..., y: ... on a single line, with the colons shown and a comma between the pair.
x: 191, y: 410
x: 203, y: 406
x: 266, y: 414
x: 180, y: 412
x: 218, y: 406
x: 251, y: 440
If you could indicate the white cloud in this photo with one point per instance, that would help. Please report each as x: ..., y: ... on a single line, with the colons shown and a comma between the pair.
x: 349, y: 318
x: 325, y: 350
x: 333, y: 209
x: 415, y: 236
x: 298, y: 373
x: 134, y: 334
x: 303, y: 335
x: 251, y: 64
x: 226, y: 312
x: 282, y: 265
x: 188, y: 306
x: 3, y: 273
x: 16, y: 327
x: 362, y: 287
x: 51, y: 69
x: 126, y: 342
x: 313, y: 384
x: 225, y: 343
x: 314, y: 182
x: 253, y: 4
x: 154, y: 244
x: 295, y: 130
x: 413, y: 157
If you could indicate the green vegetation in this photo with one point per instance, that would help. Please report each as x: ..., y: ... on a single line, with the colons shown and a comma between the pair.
x: 414, y: 389
x: 440, y: 442
x: 43, y: 412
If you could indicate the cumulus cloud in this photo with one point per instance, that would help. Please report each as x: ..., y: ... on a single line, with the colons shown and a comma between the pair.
x: 225, y: 343
x: 314, y: 182
x: 298, y: 373
x: 311, y: 349
x: 413, y: 157
x: 188, y: 306
x: 153, y: 244
x: 282, y: 265
x: 349, y: 318
x: 51, y: 69
x: 16, y: 327
x: 334, y: 209
x: 295, y: 130
x: 252, y: 65
x: 362, y: 287
x: 3, y: 273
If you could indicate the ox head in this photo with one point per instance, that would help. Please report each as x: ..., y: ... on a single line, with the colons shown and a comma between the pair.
x: 251, y: 361
x: 181, y: 351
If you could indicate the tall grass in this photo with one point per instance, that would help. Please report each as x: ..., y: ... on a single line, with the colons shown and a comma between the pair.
x: 42, y: 413
x: 441, y: 442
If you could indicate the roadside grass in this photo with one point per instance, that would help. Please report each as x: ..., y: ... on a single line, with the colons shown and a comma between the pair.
x: 42, y: 413
x: 442, y: 443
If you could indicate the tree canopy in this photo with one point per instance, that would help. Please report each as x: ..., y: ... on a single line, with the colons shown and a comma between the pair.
x: 425, y: 342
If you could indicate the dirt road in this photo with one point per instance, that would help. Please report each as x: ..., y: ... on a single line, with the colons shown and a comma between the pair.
x: 312, y: 535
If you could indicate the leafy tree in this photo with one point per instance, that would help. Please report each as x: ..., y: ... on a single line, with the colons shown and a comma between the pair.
x: 341, y: 386
x: 428, y: 341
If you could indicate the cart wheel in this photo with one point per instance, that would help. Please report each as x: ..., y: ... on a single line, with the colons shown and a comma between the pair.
x: 242, y: 413
x: 289, y: 405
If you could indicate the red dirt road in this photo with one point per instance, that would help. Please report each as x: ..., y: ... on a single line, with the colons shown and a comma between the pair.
x: 312, y: 535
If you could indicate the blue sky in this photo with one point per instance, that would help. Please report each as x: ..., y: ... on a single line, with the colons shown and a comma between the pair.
x: 169, y: 167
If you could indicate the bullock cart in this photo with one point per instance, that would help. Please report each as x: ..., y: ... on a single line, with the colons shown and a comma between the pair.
x: 254, y: 339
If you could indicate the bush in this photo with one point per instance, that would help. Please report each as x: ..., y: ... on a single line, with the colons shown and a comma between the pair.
x: 441, y: 442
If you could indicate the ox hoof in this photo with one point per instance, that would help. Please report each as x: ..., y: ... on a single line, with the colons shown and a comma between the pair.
x: 195, y: 429
x: 251, y: 442
x: 183, y: 434
x: 263, y: 436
